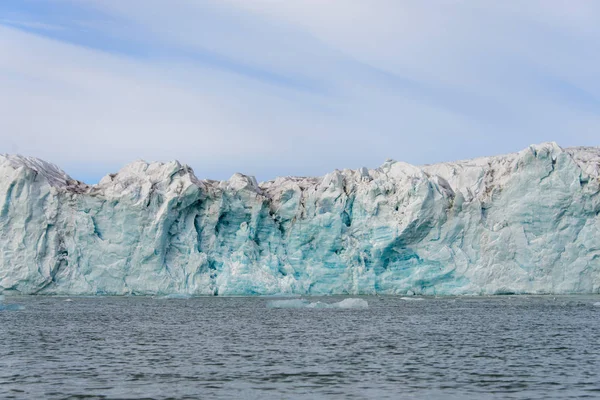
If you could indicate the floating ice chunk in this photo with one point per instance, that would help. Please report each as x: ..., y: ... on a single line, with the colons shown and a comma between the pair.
x: 352, y: 303
x: 296, y: 303
x: 9, y: 307
x: 303, y: 303
x: 281, y: 295
x: 68, y: 300
x: 176, y: 296
x: 411, y: 298
x: 597, y: 304
x: 319, y: 304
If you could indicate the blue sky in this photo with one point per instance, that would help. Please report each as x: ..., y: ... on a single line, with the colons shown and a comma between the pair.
x: 271, y: 88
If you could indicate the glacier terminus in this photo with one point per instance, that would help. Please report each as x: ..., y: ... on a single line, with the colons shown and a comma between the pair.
x: 527, y: 222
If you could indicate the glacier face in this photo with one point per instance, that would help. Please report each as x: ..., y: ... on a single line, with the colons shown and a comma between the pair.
x: 527, y: 222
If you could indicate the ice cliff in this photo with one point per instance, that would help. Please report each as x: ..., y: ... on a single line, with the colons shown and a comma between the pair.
x: 527, y: 222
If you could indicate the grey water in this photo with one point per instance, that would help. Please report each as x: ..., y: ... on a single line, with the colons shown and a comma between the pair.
x: 439, y: 348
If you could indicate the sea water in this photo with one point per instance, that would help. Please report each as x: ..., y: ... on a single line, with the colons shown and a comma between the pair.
x: 382, y: 347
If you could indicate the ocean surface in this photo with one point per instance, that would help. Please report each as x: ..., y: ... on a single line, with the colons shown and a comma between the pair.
x: 508, y: 347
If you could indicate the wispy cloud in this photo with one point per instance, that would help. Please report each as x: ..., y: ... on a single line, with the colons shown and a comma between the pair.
x: 34, y: 25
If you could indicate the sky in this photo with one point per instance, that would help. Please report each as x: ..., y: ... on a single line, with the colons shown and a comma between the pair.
x: 296, y: 87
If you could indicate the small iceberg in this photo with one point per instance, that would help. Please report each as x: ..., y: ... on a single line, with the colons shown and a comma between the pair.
x: 303, y: 303
x: 352, y: 303
x: 9, y: 307
x: 411, y: 298
x: 176, y: 296
x: 597, y: 304
x: 280, y: 295
x: 299, y: 303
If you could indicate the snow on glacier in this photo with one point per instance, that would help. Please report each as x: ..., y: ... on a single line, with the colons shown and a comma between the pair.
x: 526, y: 222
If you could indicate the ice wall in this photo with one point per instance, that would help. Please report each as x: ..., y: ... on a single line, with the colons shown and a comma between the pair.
x: 520, y: 223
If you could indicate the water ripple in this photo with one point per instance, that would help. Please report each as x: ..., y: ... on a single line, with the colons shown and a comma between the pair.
x: 465, y: 348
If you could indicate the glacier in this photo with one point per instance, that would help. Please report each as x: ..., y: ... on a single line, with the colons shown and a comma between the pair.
x: 527, y: 222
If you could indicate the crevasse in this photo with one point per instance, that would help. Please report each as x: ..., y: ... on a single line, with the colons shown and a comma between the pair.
x: 527, y: 222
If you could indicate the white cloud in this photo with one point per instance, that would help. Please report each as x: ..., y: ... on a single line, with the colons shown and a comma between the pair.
x: 64, y: 102
x: 273, y: 87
